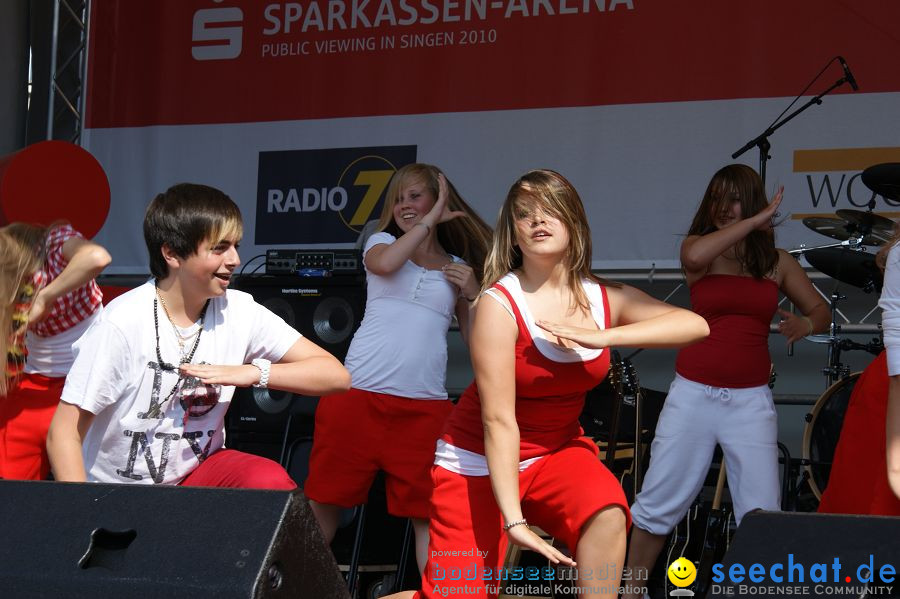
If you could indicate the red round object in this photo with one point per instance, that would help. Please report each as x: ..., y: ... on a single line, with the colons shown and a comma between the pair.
x: 51, y: 181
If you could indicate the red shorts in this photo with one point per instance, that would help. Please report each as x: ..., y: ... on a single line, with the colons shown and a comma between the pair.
x: 559, y: 493
x: 232, y: 469
x: 25, y: 415
x: 359, y: 433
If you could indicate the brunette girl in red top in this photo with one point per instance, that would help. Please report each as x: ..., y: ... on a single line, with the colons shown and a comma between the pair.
x: 720, y: 394
x: 512, y: 453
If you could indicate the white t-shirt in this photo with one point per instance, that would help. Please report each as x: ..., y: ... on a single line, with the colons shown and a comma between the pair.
x: 52, y: 356
x: 890, y: 309
x: 400, y: 347
x: 140, y: 433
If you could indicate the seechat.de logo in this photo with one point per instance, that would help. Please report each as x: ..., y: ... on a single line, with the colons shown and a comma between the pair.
x: 217, y: 33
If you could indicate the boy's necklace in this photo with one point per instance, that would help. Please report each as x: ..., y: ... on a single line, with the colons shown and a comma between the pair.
x: 187, y: 385
x: 184, y: 359
x: 179, y: 337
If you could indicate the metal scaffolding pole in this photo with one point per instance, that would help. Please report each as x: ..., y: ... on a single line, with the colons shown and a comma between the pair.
x: 68, y: 66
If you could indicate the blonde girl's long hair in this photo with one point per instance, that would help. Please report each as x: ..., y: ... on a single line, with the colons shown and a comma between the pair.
x: 552, y: 193
x: 467, y: 237
x: 22, y: 249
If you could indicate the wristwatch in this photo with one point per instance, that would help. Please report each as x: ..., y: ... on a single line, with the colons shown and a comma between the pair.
x: 264, y: 366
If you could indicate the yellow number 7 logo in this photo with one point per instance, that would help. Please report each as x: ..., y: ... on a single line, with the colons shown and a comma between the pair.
x: 376, y: 181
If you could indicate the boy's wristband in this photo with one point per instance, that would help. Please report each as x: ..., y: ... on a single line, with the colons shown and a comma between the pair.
x: 264, y: 367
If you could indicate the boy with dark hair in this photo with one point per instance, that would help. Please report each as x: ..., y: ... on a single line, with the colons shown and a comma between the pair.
x: 145, y: 401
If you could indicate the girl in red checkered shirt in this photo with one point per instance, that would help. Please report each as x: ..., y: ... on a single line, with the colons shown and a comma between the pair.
x: 48, y: 297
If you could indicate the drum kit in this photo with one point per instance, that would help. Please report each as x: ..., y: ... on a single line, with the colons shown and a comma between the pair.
x: 848, y: 262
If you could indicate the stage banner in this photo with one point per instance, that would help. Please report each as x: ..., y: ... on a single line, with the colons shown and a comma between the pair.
x: 301, y: 110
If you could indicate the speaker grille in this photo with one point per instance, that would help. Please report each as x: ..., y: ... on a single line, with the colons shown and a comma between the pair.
x: 327, y: 311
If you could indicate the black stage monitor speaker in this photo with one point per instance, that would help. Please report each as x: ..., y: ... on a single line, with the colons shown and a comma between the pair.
x: 96, y: 540
x: 326, y: 310
x: 811, y: 555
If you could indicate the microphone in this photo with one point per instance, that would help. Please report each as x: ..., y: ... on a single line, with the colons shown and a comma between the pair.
x: 847, y: 74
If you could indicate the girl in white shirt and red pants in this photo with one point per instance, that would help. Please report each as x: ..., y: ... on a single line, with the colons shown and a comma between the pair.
x: 422, y: 267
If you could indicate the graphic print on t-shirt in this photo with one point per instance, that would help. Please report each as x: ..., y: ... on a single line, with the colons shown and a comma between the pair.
x: 196, y: 400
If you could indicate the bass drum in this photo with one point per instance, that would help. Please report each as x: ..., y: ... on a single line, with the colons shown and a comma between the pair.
x: 823, y: 429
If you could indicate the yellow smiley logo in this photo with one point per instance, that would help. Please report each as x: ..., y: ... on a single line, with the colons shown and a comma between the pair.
x: 682, y: 572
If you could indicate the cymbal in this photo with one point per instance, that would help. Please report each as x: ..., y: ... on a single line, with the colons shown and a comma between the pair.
x: 880, y: 227
x: 883, y: 179
x: 848, y: 266
x: 838, y: 228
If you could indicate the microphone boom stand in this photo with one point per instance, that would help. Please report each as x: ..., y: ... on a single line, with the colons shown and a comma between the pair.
x: 762, y: 140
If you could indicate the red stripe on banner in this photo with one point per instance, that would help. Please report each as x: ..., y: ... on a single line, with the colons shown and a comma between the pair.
x: 166, y: 62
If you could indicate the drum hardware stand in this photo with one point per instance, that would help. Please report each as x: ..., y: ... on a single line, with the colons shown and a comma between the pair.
x: 854, y: 243
x: 874, y: 347
x: 835, y: 369
x: 788, y: 479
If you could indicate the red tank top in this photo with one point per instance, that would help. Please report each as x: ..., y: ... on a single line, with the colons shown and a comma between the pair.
x: 736, y: 353
x: 549, y: 396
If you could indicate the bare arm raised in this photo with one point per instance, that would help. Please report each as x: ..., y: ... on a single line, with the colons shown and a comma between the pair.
x: 86, y: 260
x: 383, y: 259
x: 699, y: 251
